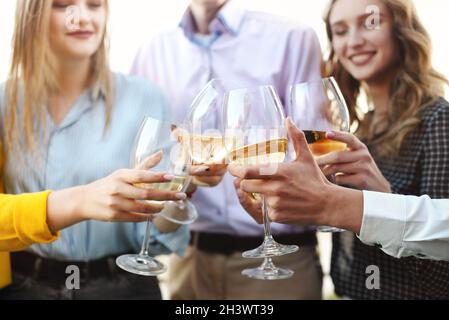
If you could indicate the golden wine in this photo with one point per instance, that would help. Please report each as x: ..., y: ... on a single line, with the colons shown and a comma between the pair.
x: 175, y: 185
x: 320, y: 145
x: 272, y: 151
x: 268, y: 152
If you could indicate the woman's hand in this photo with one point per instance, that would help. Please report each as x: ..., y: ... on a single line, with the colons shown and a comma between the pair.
x: 115, y: 198
x: 354, y: 167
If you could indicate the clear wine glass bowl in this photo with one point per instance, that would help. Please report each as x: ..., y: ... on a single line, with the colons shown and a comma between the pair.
x: 317, y: 107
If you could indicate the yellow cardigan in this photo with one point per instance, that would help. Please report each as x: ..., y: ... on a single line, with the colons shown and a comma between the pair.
x: 23, y: 221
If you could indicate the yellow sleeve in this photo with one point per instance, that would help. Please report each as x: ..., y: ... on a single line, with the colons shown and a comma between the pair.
x: 23, y: 221
x: 5, y: 270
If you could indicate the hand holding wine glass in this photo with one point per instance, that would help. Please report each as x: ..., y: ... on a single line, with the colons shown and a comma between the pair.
x: 251, y: 205
x: 354, y: 167
x: 298, y: 193
x: 316, y: 108
x: 204, y: 136
x: 117, y: 197
x: 114, y: 198
x: 255, y: 134
x: 156, y: 135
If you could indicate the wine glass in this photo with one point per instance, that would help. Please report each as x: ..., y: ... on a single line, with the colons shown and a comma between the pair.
x: 155, y: 135
x: 203, y: 128
x: 318, y: 107
x: 255, y: 133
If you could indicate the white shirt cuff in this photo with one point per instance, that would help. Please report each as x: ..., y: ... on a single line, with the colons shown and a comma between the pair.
x: 384, y: 220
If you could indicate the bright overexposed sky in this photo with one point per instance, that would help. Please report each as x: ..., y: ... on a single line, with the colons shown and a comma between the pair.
x: 134, y: 22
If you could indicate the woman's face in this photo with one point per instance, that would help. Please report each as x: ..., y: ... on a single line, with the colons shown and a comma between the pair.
x: 366, y: 49
x: 77, y: 27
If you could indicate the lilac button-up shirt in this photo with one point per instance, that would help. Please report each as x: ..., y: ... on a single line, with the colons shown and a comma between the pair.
x: 246, y: 49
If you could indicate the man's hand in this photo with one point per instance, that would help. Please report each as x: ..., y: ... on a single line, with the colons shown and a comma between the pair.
x: 251, y: 205
x: 299, y: 193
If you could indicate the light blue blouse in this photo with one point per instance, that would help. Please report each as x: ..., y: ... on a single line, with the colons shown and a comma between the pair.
x: 79, y: 151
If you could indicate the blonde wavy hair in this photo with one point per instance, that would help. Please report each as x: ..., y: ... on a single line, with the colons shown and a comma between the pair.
x: 416, y: 85
x: 32, y: 75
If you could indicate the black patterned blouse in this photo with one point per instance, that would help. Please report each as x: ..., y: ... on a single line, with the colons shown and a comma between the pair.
x: 421, y: 168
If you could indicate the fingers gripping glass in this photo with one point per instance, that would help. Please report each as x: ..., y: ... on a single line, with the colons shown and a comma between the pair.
x: 204, y: 128
x: 255, y: 134
x: 317, y: 107
x: 156, y: 135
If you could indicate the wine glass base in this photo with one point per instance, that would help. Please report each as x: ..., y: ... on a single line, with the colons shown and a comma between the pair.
x: 183, y: 212
x: 270, y: 248
x: 268, y: 274
x: 326, y: 229
x: 141, y: 265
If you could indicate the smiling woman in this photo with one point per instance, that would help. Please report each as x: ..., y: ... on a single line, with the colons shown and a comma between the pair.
x: 70, y: 120
x: 46, y: 61
x: 71, y: 43
x: 376, y: 60
x: 405, y: 131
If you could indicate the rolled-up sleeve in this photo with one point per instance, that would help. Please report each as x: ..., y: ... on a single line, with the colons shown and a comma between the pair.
x: 163, y: 243
x: 23, y: 221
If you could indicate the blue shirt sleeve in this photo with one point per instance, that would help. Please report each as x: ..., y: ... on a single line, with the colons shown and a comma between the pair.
x: 163, y: 243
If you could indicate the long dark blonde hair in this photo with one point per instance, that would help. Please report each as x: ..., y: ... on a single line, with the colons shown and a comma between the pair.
x: 415, y: 86
x: 32, y: 75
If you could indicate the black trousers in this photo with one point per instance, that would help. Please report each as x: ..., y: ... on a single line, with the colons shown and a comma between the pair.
x: 112, y: 284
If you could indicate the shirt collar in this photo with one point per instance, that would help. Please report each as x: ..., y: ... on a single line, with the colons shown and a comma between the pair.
x: 228, y: 20
x: 88, y: 99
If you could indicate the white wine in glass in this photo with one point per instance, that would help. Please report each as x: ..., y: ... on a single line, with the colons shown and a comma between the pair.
x: 255, y: 133
x: 203, y: 128
x: 155, y: 135
x: 266, y: 152
x: 205, y: 148
x: 318, y: 107
x: 320, y: 145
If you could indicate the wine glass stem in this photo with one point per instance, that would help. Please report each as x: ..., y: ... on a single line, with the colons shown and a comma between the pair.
x: 146, y: 238
x: 182, y: 203
x: 268, y: 264
x: 266, y: 219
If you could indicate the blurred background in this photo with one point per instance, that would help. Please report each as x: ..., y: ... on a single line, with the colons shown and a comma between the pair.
x: 134, y: 22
